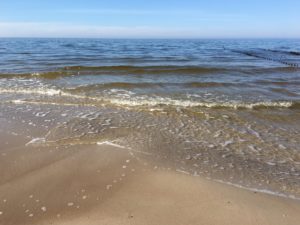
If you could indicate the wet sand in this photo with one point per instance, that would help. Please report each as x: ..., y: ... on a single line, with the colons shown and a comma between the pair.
x: 101, y: 184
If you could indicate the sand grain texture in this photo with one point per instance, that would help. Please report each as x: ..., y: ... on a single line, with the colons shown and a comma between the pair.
x: 107, y: 185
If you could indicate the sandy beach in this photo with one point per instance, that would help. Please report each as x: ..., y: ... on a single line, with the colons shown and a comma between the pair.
x: 102, y: 184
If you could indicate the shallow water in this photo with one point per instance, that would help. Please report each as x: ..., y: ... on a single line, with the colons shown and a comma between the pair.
x: 223, y: 109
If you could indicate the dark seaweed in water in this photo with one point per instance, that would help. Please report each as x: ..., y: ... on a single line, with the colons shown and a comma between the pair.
x: 284, y: 52
x: 272, y: 55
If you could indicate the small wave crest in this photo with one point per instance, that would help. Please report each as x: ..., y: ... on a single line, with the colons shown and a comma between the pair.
x: 188, y: 103
x: 131, y: 85
x: 38, y: 91
x: 146, y: 70
x: 153, y: 104
x: 119, y: 70
x: 144, y: 101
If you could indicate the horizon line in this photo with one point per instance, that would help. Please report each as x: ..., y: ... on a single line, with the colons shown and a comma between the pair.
x: 145, y: 38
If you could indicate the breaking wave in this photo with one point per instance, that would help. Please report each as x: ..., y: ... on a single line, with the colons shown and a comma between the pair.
x: 144, y: 101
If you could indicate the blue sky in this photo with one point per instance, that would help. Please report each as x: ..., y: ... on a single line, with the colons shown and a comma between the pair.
x: 150, y: 19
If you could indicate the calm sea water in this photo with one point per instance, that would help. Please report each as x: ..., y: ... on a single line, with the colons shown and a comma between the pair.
x: 224, y: 109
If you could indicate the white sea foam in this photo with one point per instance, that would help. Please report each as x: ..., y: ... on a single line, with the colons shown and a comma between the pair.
x: 227, y: 143
x: 25, y: 102
x: 132, y: 101
x: 182, y: 171
x: 265, y: 191
x: 187, y: 103
x: 36, y: 141
x: 112, y: 144
x: 39, y: 91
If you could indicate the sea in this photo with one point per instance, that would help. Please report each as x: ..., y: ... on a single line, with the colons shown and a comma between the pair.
x: 227, y: 110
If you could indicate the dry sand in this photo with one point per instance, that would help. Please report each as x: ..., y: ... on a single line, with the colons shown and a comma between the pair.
x: 91, y: 185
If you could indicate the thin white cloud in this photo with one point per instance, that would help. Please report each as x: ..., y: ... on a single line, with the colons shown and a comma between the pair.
x: 196, y: 14
x: 146, y: 12
x: 32, y: 29
x: 15, y: 29
x: 114, y: 11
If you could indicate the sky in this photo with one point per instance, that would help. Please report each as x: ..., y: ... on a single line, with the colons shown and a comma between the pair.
x: 150, y: 19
